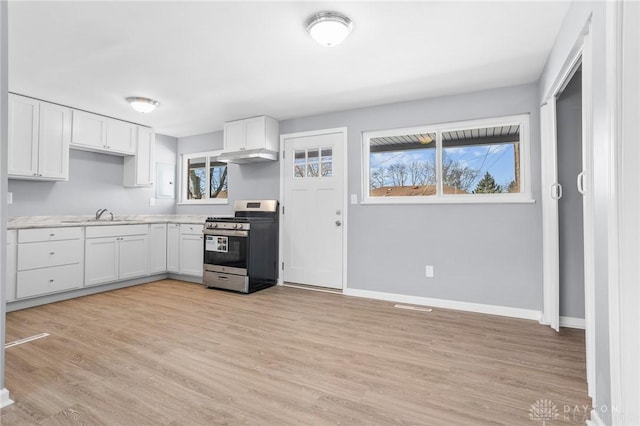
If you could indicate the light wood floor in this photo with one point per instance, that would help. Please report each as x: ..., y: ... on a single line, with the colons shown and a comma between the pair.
x: 174, y: 353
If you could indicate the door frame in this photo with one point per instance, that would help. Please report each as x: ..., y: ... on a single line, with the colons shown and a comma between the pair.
x: 344, y: 205
x: 581, y: 53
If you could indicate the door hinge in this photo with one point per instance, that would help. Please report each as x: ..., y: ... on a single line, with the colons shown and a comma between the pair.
x: 283, y: 155
x: 282, y: 209
x: 283, y: 266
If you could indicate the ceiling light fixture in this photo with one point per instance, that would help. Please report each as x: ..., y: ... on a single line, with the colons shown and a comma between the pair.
x: 143, y: 105
x: 328, y: 28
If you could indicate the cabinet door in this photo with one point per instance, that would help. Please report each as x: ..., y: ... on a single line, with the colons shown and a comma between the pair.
x: 157, y: 248
x: 121, y: 136
x: 36, y: 282
x: 101, y: 260
x: 191, y: 255
x: 88, y: 130
x: 255, y: 133
x: 23, y: 136
x: 12, y: 259
x: 173, y: 248
x: 234, y: 136
x: 133, y: 256
x: 54, y: 138
x: 139, y: 169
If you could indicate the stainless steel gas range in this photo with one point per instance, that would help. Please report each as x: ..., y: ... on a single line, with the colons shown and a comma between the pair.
x: 241, y: 252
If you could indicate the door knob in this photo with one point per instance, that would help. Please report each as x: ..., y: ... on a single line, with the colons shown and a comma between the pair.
x: 338, y: 223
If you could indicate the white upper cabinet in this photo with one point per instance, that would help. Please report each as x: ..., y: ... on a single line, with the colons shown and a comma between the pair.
x: 250, y: 140
x: 139, y: 170
x: 39, y: 136
x: 121, y: 136
x: 89, y: 130
x: 95, y: 132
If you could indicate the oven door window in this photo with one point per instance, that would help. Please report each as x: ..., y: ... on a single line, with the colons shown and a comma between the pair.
x: 226, y: 251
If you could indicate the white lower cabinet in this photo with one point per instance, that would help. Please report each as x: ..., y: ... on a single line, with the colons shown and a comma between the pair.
x: 185, y: 249
x: 12, y: 262
x: 158, y: 248
x: 120, y: 256
x: 191, y: 255
x: 173, y: 248
x: 49, y: 260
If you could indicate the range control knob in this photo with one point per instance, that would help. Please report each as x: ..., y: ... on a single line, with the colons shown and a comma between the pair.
x: 236, y: 226
x: 215, y: 225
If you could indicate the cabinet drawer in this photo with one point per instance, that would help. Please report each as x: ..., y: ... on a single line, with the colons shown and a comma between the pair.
x: 116, y: 230
x: 52, y: 253
x: 191, y: 229
x: 48, y: 280
x: 48, y: 234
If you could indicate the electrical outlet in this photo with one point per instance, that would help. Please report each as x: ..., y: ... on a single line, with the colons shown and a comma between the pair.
x: 152, y: 201
x: 9, y: 197
x: 429, y: 271
x: 354, y: 198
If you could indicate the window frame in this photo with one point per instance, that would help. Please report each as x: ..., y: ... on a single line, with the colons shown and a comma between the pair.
x: 524, y: 196
x: 184, y: 166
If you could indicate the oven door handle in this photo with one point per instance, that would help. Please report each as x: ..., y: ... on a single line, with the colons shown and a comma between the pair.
x: 226, y: 233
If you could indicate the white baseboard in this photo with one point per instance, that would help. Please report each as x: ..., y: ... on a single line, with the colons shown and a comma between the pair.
x: 595, y: 419
x: 572, y: 322
x: 503, y: 311
x: 4, y: 398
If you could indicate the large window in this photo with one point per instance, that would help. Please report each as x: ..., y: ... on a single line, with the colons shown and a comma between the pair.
x: 204, y: 179
x: 473, y: 161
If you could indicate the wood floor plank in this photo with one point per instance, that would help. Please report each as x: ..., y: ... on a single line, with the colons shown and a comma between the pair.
x: 175, y: 353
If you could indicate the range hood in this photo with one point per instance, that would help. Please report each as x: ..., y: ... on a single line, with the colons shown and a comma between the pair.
x: 248, y: 156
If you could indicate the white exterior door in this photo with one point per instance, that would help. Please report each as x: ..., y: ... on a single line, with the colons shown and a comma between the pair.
x: 313, y: 202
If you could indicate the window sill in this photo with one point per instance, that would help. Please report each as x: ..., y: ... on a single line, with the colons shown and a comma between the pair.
x: 204, y: 202
x: 453, y: 199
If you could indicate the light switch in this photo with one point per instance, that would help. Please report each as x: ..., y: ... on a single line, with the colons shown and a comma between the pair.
x: 354, y: 198
x: 9, y: 197
x: 152, y: 201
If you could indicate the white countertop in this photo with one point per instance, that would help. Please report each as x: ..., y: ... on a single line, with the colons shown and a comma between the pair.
x: 25, y: 222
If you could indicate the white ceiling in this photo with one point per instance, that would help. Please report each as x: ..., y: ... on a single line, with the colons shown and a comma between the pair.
x: 210, y: 62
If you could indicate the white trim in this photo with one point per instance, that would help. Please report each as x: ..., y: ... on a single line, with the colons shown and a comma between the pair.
x: 345, y: 194
x: 524, y: 196
x: 595, y: 419
x: 581, y: 52
x: 504, y: 311
x: 5, y: 400
x: 572, y: 322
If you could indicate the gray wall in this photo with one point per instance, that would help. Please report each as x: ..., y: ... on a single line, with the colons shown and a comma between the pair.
x: 246, y: 182
x: 576, y: 19
x: 570, y: 211
x: 482, y: 253
x: 95, y: 181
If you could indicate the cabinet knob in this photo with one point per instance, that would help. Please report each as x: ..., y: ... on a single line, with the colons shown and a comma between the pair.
x: 50, y: 281
x: 52, y: 253
x: 52, y: 235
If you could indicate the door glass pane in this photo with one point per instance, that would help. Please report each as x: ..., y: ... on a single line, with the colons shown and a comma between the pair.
x: 313, y: 166
x: 326, y: 162
x: 403, y: 165
x: 197, y: 181
x: 219, y: 180
x: 299, y: 163
x: 481, y: 161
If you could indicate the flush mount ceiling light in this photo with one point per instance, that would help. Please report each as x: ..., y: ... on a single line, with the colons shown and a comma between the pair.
x: 143, y: 105
x: 328, y: 28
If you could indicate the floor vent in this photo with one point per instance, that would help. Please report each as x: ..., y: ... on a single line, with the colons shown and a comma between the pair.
x: 25, y: 340
x: 413, y: 308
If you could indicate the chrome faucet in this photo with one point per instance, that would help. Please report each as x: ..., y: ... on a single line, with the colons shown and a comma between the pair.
x: 100, y: 212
